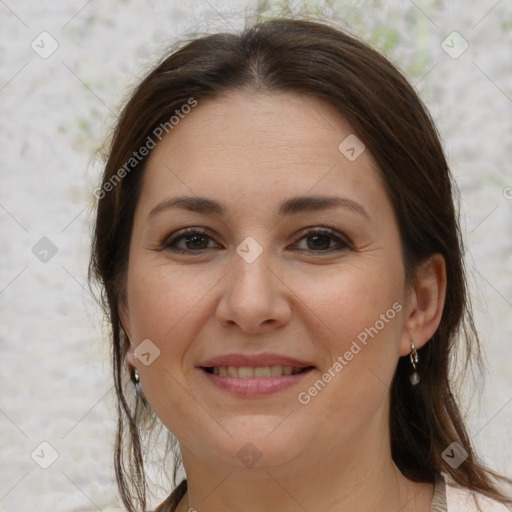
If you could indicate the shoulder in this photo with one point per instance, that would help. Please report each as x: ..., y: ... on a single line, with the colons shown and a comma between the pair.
x: 461, y: 499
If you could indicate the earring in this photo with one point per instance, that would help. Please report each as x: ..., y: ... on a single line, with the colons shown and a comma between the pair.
x: 135, y: 376
x: 413, y: 356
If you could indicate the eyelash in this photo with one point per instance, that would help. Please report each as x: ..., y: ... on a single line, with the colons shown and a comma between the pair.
x: 170, y: 243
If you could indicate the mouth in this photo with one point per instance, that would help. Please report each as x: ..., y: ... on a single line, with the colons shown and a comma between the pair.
x: 248, y: 372
x: 254, y: 376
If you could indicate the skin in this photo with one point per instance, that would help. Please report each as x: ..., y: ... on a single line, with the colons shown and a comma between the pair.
x: 251, y: 151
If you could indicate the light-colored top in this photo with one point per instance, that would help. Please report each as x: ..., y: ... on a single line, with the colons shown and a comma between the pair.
x: 450, y: 498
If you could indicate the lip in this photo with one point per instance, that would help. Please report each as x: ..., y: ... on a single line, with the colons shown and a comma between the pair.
x: 254, y: 387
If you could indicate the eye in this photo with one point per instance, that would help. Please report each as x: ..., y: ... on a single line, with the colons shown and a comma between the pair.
x: 194, y: 240
x: 190, y: 240
x: 322, y: 240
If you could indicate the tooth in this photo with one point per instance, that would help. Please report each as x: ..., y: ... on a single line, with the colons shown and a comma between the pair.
x: 262, y: 371
x: 232, y: 371
x: 245, y: 371
x: 276, y: 370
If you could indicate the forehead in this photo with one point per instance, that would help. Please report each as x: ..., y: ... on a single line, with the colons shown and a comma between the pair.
x: 286, y: 124
x: 260, y: 146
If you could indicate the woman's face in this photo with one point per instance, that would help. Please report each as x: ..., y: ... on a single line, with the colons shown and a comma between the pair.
x: 291, y: 264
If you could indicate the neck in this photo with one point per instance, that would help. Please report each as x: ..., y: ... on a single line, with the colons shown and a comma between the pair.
x: 335, y: 479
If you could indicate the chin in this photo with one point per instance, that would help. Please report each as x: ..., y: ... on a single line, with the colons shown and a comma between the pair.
x: 259, y: 442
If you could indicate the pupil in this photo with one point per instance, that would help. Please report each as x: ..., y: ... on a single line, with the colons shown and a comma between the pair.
x: 318, y: 239
x: 196, y: 240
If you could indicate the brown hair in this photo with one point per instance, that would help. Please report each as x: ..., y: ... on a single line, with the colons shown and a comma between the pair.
x: 384, y: 111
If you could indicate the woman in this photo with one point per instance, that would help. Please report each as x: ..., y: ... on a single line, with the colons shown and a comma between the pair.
x: 283, y: 296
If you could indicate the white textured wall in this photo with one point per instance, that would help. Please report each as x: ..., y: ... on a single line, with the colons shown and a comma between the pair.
x: 55, y: 384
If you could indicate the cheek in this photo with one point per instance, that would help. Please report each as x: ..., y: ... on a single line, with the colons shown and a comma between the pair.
x: 166, y: 308
x: 363, y: 313
x: 355, y: 302
x: 164, y: 301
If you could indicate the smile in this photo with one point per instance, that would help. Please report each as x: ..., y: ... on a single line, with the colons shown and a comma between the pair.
x: 248, y: 372
x: 255, y: 375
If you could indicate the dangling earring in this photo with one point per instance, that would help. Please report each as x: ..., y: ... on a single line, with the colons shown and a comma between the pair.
x: 135, y: 376
x: 413, y: 356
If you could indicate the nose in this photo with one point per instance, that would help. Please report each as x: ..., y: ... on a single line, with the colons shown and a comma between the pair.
x: 254, y: 297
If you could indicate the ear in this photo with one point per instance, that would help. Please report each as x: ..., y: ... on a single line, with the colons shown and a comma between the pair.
x: 425, y: 304
x: 124, y: 316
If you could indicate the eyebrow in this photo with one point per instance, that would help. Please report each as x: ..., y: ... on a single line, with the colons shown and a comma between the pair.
x: 291, y: 206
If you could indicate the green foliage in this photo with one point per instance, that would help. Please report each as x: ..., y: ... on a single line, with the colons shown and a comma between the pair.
x: 386, y: 25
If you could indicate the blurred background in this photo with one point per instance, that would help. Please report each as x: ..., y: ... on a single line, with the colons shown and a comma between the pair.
x: 65, y: 70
